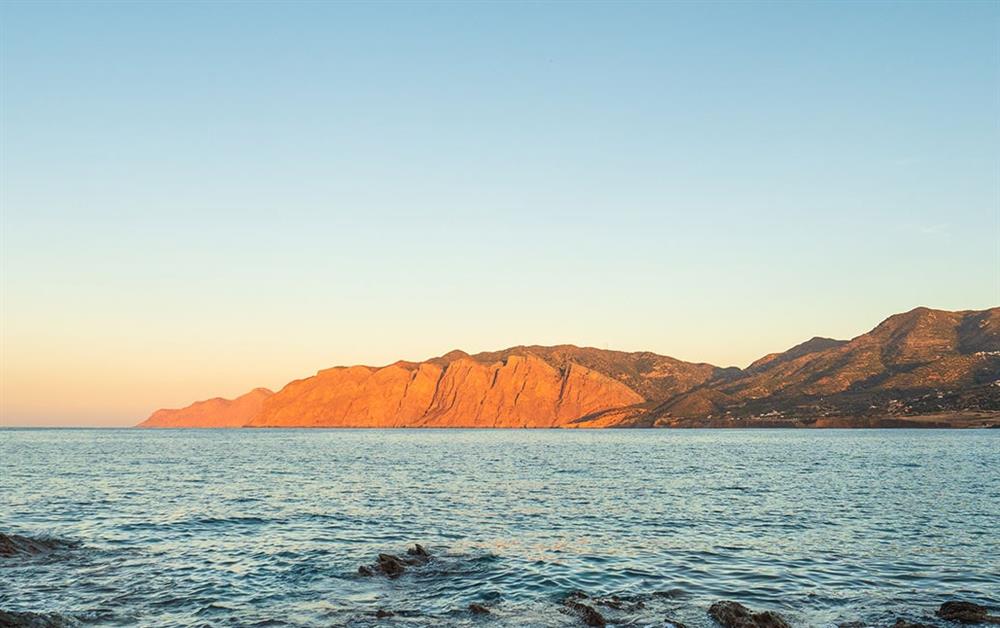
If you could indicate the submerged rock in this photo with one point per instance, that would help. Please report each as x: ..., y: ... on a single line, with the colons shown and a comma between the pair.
x: 587, y: 614
x: 390, y: 565
x: 903, y: 623
x: 966, y: 613
x: 382, y: 613
x: 620, y: 603
x: 15, y: 544
x: 735, y: 615
x: 478, y: 609
x: 31, y: 620
x: 623, y: 609
x: 670, y: 593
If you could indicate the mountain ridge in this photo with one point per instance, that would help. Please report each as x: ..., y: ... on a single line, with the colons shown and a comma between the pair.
x: 922, y: 367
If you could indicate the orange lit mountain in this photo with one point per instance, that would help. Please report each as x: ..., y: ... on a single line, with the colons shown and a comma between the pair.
x: 926, y: 367
x: 518, y: 387
x: 215, y: 412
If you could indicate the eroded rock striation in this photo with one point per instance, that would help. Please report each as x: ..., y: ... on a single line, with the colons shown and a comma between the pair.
x: 518, y: 390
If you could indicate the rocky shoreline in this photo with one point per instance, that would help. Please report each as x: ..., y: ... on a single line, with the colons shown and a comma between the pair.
x: 577, y: 607
x: 967, y: 420
x: 593, y: 610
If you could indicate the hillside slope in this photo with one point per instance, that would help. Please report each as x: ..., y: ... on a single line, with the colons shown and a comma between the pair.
x: 921, y: 362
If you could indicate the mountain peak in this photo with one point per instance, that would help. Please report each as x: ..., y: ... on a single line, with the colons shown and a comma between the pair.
x: 814, y: 344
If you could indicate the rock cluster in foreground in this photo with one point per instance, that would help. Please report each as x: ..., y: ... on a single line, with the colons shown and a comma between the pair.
x: 585, y: 609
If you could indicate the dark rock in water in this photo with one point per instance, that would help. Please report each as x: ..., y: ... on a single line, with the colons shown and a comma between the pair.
x: 31, y: 620
x: 902, y: 623
x: 670, y: 593
x: 588, y: 614
x: 669, y: 623
x: 15, y: 544
x: 627, y: 604
x: 390, y: 565
x: 382, y: 613
x: 393, y: 566
x: 852, y: 624
x: 966, y: 613
x: 735, y: 615
x: 478, y: 609
x: 612, y: 601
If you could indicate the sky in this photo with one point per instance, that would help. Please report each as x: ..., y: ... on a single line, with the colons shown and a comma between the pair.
x: 202, y: 198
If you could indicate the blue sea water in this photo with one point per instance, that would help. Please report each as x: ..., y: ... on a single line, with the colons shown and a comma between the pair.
x: 268, y: 527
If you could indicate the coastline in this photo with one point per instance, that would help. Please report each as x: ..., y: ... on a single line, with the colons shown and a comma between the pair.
x: 987, y: 420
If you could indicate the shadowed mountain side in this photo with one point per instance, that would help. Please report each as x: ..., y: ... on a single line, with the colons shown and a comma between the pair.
x: 920, y: 362
x: 215, y: 412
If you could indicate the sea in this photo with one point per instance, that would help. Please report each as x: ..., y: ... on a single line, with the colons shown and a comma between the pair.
x: 268, y: 527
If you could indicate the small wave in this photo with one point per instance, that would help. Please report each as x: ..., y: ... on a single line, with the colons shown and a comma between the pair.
x: 199, y: 522
x: 236, y: 520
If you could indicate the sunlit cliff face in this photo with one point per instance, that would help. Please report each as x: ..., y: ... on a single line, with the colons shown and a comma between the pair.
x: 519, y: 391
x: 522, y: 391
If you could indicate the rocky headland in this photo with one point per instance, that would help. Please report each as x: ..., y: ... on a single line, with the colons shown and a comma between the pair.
x: 922, y: 368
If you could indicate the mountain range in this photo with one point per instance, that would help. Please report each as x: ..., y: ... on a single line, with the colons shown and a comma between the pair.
x: 925, y: 367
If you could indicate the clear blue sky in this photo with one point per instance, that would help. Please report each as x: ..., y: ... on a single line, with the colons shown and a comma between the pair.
x: 202, y: 198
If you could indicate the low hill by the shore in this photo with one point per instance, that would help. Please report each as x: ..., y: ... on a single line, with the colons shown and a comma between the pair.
x: 217, y: 412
